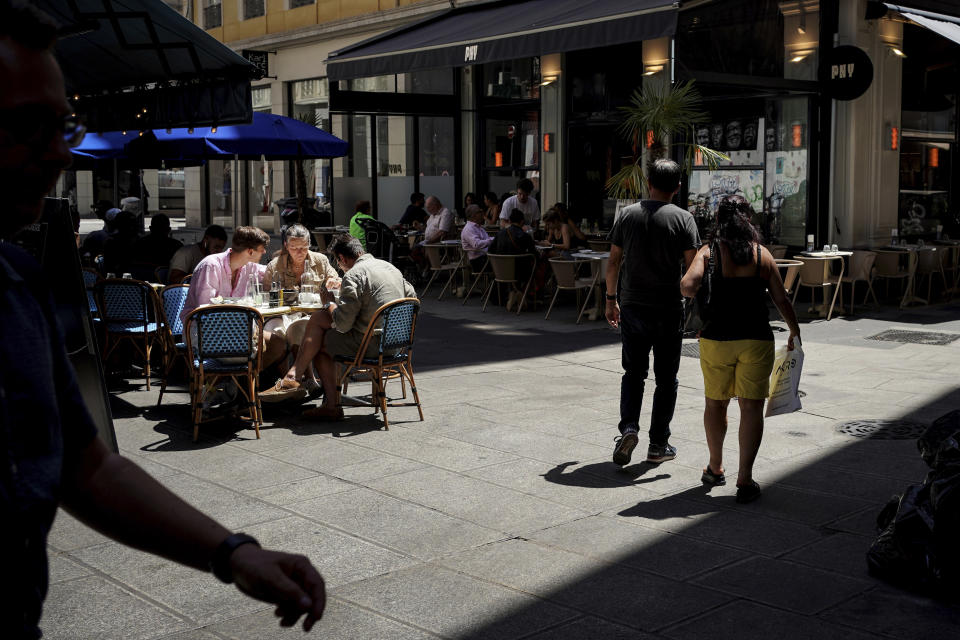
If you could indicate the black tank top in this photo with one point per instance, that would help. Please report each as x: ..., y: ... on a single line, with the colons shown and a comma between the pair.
x: 738, y: 307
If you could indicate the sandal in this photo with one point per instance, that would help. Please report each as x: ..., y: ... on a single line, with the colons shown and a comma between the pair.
x: 748, y: 492
x: 713, y: 479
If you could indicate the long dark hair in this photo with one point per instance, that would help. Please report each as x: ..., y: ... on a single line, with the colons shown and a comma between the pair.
x: 734, y: 229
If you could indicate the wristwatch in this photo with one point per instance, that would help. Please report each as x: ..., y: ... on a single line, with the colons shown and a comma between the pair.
x: 220, y: 563
x: 611, y: 296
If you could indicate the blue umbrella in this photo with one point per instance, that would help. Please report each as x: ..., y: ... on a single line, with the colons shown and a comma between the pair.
x: 100, y: 149
x: 272, y: 136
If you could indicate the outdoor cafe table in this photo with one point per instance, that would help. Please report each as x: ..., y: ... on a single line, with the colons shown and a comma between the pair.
x: 911, y: 250
x: 598, y: 266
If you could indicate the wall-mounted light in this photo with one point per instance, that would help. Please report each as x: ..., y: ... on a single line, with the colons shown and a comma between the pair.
x: 548, y: 142
x: 650, y: 138
x: 498, y: 159
x: 933, y: 160
x: 802, y: 27
x: 797, y: 135
x: 801, y: 55
x: 893, y: 138
x: 650, y: 69
x: 548, y: 80
x: 897, y: 51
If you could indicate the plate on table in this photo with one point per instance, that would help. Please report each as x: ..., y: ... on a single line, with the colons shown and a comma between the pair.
x: 449, y: 242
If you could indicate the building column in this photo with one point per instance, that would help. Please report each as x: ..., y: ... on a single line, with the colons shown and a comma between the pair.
x: 552, y: 179
x: 866, y: 172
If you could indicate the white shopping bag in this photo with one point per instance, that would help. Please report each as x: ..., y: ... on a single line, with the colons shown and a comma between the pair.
x: 785, y: 381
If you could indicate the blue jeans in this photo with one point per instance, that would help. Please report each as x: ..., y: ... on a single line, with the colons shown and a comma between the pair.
x: 643, y: 329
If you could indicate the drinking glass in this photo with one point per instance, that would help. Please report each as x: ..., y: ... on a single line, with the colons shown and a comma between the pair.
x: 826, y: 248
x: 834, y: 248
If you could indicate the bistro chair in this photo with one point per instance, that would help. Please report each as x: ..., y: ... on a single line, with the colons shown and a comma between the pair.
x: 928, y: 264
x: 815, y: 274
x: 441, y: 259
x: 790, y: 275
x: 888, y: 266
x: 186, y: 279
x: 391, y: 328
x: 224, y: 342
x: 565, y: 272
x: 484, y: 273
x: 172, y: 299
x: 505, y: 272
x: 90, y: 279
x: 129, y: 311
x: 861, y: 270
x: 949, y: 256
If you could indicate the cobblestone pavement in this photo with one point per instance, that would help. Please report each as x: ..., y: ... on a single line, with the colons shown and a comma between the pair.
x: 501, y: 515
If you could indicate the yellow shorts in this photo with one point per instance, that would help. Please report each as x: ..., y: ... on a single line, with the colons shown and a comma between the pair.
x: 736, y: 368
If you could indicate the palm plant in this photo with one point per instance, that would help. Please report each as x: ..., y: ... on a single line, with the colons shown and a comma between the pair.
x: 657, y: 114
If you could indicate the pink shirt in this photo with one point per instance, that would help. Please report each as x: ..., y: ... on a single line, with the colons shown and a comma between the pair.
x: 212, y: 278
x: 474, y: 240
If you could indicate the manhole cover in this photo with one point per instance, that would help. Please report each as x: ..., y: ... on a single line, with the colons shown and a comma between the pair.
x: 690, y: 350
x: 915, y: 337
x: 883, y: 429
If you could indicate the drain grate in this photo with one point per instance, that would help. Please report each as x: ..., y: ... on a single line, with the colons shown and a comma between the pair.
x: 883, y: 429
x: 915, y: 337
x: 690, y: 350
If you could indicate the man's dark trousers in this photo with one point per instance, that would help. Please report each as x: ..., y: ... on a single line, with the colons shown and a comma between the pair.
x: 643, y: 329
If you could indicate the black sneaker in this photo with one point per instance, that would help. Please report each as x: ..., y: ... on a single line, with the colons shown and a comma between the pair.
x: 625, y: 445
x: 661, y: 453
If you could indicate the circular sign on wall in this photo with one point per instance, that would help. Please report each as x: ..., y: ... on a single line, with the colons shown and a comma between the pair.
x: 846, y: 72
x: 511, y: 131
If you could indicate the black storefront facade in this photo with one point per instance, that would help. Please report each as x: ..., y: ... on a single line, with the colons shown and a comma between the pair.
x: 808, y: 164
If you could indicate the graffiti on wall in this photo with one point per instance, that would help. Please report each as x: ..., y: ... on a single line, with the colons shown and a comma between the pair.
x: 786, y: 196
x: 707, y: 188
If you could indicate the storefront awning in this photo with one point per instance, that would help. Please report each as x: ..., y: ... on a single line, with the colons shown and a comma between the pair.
x: 488, y: 32
x: 123, y: 56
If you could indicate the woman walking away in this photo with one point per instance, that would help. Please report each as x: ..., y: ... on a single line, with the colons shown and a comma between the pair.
x: 736, y: 342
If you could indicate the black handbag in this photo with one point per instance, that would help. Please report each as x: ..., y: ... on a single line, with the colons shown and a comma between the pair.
x: 705, y: 294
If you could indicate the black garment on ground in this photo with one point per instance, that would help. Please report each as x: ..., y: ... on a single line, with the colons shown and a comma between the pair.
x: 738, y: 306
x: 654, y: 236
x: 43, y: 424
x: 413, y: 214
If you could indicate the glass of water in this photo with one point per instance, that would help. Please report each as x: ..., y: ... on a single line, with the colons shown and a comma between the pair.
x: 834, y: 248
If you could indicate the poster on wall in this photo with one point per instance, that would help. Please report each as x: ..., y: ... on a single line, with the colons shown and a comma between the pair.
x: 708, y: 187
x: 738, y: 138
x: 786, y: 197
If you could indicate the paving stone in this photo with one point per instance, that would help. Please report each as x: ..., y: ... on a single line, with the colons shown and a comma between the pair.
x: 784, y: 584
x: 529, y: 444
x: 476, y: 501
x: 454, y: 605
x: 842, y: 553
x: 388, y: 520
x: 299, y: 490
x: 381, y: 467
x: 636, y: 546
x: 240, y: 470
x: 326, y: 456
x: 340, y: 620
x: 711, y: 523
x: 92, y: 607
x: 742, y: 619
x: 68, y: 533
x: 591, y: 628
x: 898, y: 614
x: 145, y: 462
x: 439, y: 451
x: 195, y: 595
x: 340, y: 558
x: 563, y: 483
x: 62, y: 568
x: 861, y: 523
x: 231, y: 508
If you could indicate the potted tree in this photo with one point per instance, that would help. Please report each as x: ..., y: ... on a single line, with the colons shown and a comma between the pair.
x: 660, y: 118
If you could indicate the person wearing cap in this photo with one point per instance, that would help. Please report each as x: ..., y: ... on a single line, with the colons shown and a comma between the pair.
x: 186, y: 259
x: 94, y: 242
x: 157, y: 247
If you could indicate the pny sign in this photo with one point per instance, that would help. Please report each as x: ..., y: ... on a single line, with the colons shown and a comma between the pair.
x: 842, y: 70
x: 470, y: 53
x: 845, y: 72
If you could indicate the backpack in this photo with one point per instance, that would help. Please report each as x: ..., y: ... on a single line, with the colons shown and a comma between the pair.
x: 705, y: 299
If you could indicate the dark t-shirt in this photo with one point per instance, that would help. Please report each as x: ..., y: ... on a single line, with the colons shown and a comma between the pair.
x: 653, y: 235
x: 413, y: 214
x: 155, y: 249
x: 43, y: 425
x: 512, y: 240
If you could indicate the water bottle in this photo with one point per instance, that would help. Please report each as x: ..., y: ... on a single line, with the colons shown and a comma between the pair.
x: 275, y: 291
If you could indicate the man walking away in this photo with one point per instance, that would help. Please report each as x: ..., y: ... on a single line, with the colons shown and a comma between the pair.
x: 653, y: 239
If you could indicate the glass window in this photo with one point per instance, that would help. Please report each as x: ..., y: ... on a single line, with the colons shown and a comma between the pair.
x: 376, y: 84
x: 211, y: 14
x: 300, y: 3
x: 253, y: 9
x: 925, y: 167
x: 512, y: 79
x: 310, y: 103
x: 352, y: 173
x: 430, y: 82
x: 396, y: 166
x: 221, y: 191
x: 768, y: 38
x: 438, y: 159
x: 512, y: 141
x: 262, y: 100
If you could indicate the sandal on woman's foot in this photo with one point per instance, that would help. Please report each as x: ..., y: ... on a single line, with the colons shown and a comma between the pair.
x: 748, y: 492
x: 713, y: 479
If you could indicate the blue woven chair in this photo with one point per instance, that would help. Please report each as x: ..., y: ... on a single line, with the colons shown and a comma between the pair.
x: 392, y: 328
x: 224, y: 342
x: 90, y: 279
x: 172, y: 299
x: 129, y: 310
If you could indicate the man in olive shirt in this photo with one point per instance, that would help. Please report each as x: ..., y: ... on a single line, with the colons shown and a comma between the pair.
x: 654, y: 240
x: 338, y: 328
